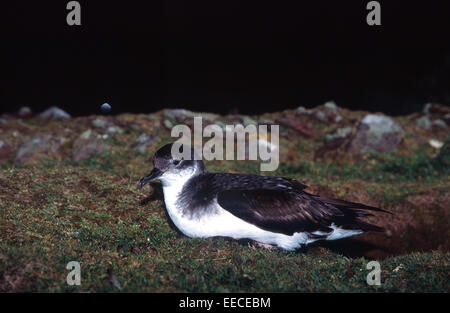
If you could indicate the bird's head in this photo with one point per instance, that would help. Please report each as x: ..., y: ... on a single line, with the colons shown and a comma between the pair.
x: 169, y: 165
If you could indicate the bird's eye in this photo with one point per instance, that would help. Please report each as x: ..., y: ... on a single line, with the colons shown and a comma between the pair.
x: 176, y: 162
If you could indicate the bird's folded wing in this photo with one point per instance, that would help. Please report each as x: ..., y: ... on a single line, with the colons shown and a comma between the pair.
x: 280, y: 211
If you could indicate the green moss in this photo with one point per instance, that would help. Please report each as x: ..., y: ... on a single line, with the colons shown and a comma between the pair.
x: 110, y: 234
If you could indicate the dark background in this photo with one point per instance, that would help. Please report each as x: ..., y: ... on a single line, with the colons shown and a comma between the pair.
x: 250, y: 56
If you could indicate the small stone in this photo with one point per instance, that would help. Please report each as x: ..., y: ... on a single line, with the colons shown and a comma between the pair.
x: 105, y: 107
x: 426, y: 108
x: 340, y: 133
x: 302, y: 110
x: 143, y: 142
x: 99, y: 123
x: 376, y: 133
x: 424, y: 122
x: 178, y: 114
x: 329, y: 112
x: 86, y: 134
x: 168, y: 124
x: 248, y: 121
x: 85, y: 149
x: 436, y: 110
x: 320, y: 115
x: 438, y: 123
x: 25, y: 112
x: 114, y: 130
x: 331, y: 105
x: 142, y: 139
x: 29, y: 148
x: 54, y: 113
x: 7, y: 152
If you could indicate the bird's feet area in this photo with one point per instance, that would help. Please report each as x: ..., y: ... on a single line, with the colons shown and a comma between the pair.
x: 262, y: 245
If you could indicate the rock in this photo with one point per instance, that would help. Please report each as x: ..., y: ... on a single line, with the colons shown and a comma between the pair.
x: 331, y: 105
x: 303, y: 110
x: 55, y: 113
x: 143, y: 138
x: 30, y: 148
x: 427, y: 122
x: 248, y: 121
x: 377, y: 133
x: 84, y: 149
x: 340, y: 133
x: 424, y: 122
x: 333, y: 141
x: 320, y: 115
x: 110, y: 125
x: 25, y: 112
x: 180, y: 115
x: 143, y: 142
x: 426, y: 108
x: 436, y: 109
x: 435, y: 116
x: 438, y: 123
x: 99, y: 123
x: 168, y: 124
x: 329, y: 112
x: 114, y: 130
x: 105, y: 107
x: 86, y: 134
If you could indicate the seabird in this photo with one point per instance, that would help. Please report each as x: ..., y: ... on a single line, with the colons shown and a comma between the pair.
x: 273, y: 211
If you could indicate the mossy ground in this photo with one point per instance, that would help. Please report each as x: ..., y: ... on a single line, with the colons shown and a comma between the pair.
x: 57, y: 211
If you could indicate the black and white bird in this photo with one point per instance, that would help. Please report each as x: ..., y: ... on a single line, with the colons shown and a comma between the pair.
x: 273, y: 211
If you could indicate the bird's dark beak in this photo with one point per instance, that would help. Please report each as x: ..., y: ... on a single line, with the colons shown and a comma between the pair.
x: 154, y: 174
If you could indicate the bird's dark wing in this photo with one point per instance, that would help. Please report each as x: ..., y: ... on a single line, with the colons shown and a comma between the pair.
x: 279, y: 211
x: 290, y: 212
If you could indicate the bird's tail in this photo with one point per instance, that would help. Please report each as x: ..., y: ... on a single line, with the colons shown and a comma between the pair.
x: 342, y: 204
x: 352, y: 212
